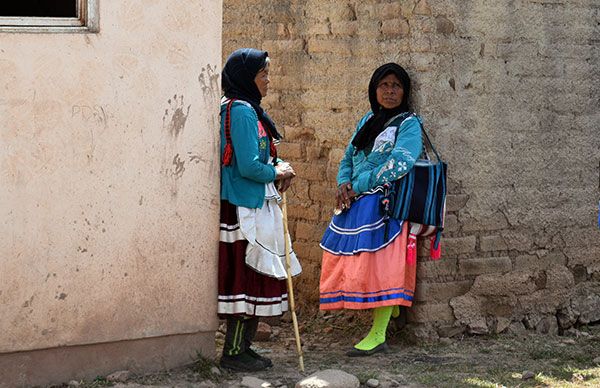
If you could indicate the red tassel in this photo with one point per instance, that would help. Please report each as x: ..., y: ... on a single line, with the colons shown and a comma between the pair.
x: 435, y: 252
x: 227, y: 155
x: 228, y: 150
x: 411, y: 250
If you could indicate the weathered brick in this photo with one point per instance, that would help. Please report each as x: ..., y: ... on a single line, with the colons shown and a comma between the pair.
x: 422, y: 8
x: 486, y: 265
x: 510, y: 283
x: 423, y: 246
x: 287, y: 150
x: 436, y: 292
x: 322, y: 193
x: 293, y: 133
x: 492, y: 243
x: 332, y: 174
x: 344, y: 28
x: 285, y: 45
x: 329, y: 134
x: 300, y: 212
x: 444, y: 25
x: 455, y: 202
x: 423, y: 62
x: 541, y: 260
x: 387, y: 10
x: 308, y: 231
x: 336, y: 155
x: 457, y: 245
x: 518, y: 240
x: 489, y: 222
x: 559, y: 277
x: 318, y: 29
x: 282, y: 30
x: 309, y: 255
x: 328, y: 46
x: 310, y: 171
x: 430, y: 312
x: 315, y: 153
x: 327, y: 212
x: 298, y: 192
x: 586, y: 257
x: 451, y: 223
x: 395, y: 27
x: 526, y: 261
x: 453, y: 186
x: 435, y: 269
x: 301, y: 248
x: 421, y: 44
x: 286, y: 82
x: 423, y: 25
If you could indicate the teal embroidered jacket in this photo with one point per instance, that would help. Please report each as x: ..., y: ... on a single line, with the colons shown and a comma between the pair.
x: 243, y: 182
x: 394, y: 153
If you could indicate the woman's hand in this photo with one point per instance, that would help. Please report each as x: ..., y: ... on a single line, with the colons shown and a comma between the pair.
x: 285, y: 174
x: 283, y: 170
x: 344, y: 195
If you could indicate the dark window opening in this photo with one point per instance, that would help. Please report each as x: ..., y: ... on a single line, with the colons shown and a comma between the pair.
x: 39, y: 8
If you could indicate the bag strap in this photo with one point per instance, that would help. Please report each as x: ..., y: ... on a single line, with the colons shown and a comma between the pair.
x: 430, y: 143
x: 422, y: 130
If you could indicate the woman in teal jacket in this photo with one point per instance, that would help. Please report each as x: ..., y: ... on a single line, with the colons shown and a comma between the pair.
x: 251, y: 248
x: 365, y: 263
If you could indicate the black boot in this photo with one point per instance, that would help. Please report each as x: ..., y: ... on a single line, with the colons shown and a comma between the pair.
x: 251, y: 327
x: 242, y: 362
x: 235, y: 352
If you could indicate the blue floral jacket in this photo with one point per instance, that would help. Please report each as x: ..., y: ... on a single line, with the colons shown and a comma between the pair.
x: 394, y: 153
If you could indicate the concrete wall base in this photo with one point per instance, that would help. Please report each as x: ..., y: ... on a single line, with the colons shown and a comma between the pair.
x: 85, y: 362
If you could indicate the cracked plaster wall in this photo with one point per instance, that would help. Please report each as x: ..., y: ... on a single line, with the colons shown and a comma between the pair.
x: 108, y: 187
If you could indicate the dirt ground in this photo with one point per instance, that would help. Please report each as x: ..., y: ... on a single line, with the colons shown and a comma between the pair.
x: 465, y: 361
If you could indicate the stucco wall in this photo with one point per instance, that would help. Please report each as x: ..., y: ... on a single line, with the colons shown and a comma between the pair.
x: 508, y: 92
x: 108, y: 185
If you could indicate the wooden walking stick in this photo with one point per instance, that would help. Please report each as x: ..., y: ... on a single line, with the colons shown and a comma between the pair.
x: 288, y: 267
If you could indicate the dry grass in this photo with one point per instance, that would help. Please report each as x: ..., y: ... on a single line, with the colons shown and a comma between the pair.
x: 493, y: 361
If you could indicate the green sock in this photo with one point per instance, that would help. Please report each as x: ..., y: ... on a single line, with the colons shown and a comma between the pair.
x: 376, y: 336
x: 396, y: 311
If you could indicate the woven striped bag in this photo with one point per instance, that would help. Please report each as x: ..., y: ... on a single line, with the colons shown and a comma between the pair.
x: 420, y: 198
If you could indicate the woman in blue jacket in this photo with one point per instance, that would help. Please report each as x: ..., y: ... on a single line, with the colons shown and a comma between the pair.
x: 251, y: 248
x: 365, y: 263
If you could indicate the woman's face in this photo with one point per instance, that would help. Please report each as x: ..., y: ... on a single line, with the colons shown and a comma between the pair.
x: 262, y: 80
x: 390, y: 92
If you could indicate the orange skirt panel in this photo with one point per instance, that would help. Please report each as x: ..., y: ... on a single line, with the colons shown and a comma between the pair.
x: 368, y: 279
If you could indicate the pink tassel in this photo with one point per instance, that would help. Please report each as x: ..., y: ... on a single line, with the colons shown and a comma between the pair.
x: 411, y: 250
x: 435, y: 252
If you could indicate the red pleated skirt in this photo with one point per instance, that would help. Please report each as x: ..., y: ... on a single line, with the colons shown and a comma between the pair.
x: 243, y: 291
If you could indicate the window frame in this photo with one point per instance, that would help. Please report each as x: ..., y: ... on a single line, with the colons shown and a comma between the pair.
x: 85, y: 22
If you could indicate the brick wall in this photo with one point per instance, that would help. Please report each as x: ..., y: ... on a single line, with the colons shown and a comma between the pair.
x: 509, y: 93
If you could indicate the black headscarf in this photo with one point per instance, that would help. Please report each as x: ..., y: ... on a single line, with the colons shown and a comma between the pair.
x: 237, y: 81
x: 375, y: 124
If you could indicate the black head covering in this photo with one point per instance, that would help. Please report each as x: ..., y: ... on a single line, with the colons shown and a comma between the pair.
x: 237, y: 81
x: 375, y: 124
